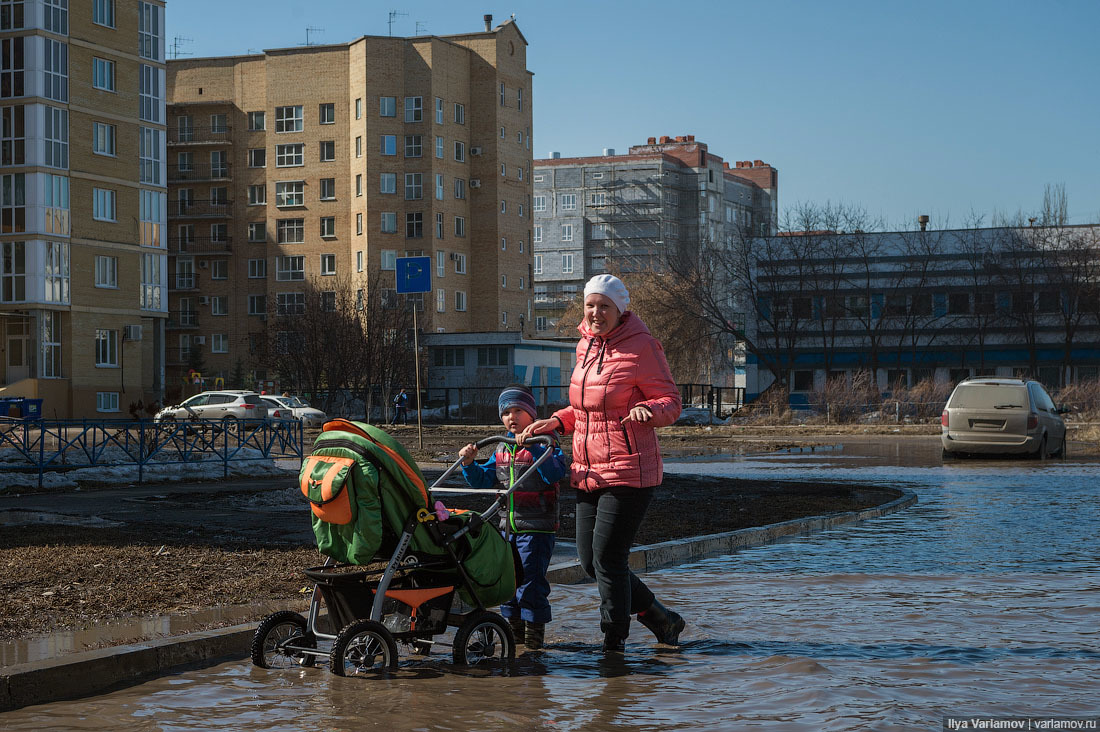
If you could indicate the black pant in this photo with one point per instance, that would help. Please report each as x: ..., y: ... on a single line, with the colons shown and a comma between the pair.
x: 607, y: 522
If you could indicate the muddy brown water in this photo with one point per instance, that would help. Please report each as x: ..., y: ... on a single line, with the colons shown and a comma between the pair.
x: 982, y: 599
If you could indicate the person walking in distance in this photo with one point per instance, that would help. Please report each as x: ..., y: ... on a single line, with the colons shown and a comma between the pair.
x: 401, y: 408
x: 620, y: 391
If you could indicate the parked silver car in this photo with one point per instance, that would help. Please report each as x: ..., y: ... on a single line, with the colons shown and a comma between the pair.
x: 230, y: 404
x: 993, y: 415
x: 300, y: 410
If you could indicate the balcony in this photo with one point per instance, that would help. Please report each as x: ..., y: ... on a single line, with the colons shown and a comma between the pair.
x: 200, y: 245
x: 182, y: 319
x: 201, y: 209
x: 187, y: 281
x: 204, y: 135
x: 198, y: 172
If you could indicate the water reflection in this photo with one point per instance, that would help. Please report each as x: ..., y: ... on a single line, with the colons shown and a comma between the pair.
x: 982, y: 598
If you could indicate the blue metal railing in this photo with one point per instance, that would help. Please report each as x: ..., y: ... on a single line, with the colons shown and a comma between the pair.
x: 45, y: 446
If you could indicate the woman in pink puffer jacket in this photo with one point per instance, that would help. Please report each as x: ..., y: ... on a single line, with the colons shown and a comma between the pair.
x: 620, y: 391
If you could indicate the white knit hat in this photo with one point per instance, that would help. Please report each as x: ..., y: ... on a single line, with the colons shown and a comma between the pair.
x: 611, y: 287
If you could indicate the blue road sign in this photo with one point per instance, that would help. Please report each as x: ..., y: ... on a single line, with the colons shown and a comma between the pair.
x: 414, y: 274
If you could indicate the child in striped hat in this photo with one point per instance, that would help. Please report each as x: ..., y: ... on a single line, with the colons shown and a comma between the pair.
x: 530, y: 518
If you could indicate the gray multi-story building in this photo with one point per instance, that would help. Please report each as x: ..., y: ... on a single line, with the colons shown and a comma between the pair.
x: 627, y: 212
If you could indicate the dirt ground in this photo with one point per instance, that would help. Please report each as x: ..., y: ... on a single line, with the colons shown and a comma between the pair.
x: 162, y: 561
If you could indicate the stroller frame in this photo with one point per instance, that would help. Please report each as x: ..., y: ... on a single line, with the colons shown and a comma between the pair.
x: 401, y: 609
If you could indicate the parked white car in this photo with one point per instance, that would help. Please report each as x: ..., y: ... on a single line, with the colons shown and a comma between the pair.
x: 229, y: 404
x: 309, y: 416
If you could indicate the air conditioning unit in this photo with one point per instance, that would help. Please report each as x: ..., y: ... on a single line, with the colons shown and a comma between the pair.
x: 475, y: 183
x: 204, y: 263
x: 131, y: 333
x: 198, y: 340
x: 476, y: 150
x: 204, y: 300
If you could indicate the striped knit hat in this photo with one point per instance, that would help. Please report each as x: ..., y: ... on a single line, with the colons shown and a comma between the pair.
x: 517, y: 396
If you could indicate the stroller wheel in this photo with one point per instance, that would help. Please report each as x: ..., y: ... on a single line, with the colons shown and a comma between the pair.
x: 363, y: 646
x: 279, y: 639
x: 483, y: 636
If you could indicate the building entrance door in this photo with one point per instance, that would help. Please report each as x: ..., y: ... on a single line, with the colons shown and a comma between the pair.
x: 18, y: 361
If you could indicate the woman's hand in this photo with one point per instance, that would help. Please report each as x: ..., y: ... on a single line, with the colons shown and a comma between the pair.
x: 538, y: 427
x: 640, y: 413
x: 468, y: 454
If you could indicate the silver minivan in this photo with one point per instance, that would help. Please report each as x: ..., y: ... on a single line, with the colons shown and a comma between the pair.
x: 993, y: 415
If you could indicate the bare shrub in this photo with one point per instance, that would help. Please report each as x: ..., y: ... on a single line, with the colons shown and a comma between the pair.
x: 844, y: 400
x: 923, y: 401
x: 772, y: 407
x: 1082, y: 398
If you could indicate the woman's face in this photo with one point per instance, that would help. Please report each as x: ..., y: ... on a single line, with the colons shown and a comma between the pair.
x: 600, y: 314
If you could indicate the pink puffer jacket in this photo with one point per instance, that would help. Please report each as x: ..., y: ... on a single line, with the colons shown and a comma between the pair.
x: 612, y: 375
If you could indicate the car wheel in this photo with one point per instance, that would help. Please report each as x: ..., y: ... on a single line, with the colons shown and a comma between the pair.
x: 1062, y: 449
x: 1043, y: 452
x: 947, y: 454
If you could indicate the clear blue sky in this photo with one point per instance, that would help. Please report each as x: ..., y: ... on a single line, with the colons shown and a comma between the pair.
x: 937, y: 107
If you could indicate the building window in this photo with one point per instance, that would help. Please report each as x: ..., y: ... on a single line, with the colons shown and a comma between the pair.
x: 152, y: 213
x: 106, y: 272
x: 56, y: 67
x: 503, y: 244
x: 358, y: 108
x: 414, y: 186
x: 504, y: 207
x: 12, y: 64
x: 106, y: 348
x: 439, y: 226
x: 103, y: 204
x: 414, y: 109
x: 290, y: 268
x: 219, y: 343
x: 460, y: 188
x: 388, y: 183
x: 567, y: 232
x: 13, y: 203
x: 257, y: 121
x: 439, y: 147
x: 290, y: 193
x: 257, y: 269
x: 503, y: 170
x: 257, y: 232
x: 151, y: 99
x: 359, y: 261
x: 440, y: 300
x: 438, y: 110
x: 460, y: 301
x: 328, y: 227
x: 103, y: 74
x: 440, y: 261
x: 50, y: 339
x: 539, y: 203
x: 387, y: 106
x: 503, y: 281
x: 388, y: 144
x: 326, y: 115
x: 288, y: 119
x: 359, y: 223
x: 290, y: 231
x: 439, y: 186
x: 358, y: 184
x: 519, y: 99
x: 57, y: 137
x: 460, y: 151
x: 13, y: 139
x: 460, y: 263
x: 328, y: 189
x: 414, y: 225
x: 519, y: 173
x: 257, y: 304
x: 567, y: 264
x: 103, y: 12
x: 13, y: 272
x: 150, y: 44
x: 103, y: 139
x: 106, y: 401
x: 540, y: 322
x: 598, y: 199
x: 538, y: 264
x: 413, y: 146
x: 389, y: 222
x: 540, y: 293
x: 257, y: 195
x: 460, y: 114
x: 359, y: 146
x: 569, y: 202
x: 502, y: 94
x: 257, y: 157
x: 57, y: 272
x: 328, y: 151
x: 219, y: 233
x: 389, y: 259
x: 219, y: 269
x: 150, y: 154
x: 328, y: 264
x: 460, y: 226
x: 290, y: 303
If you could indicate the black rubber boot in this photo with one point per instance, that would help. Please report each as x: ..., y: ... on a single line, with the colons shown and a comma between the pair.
x: 613, y: 643
x: 664, y: 623
x: 518, y: 631
x: 535, y: 636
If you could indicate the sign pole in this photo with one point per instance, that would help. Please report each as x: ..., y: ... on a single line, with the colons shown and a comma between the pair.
x: 416, y: 362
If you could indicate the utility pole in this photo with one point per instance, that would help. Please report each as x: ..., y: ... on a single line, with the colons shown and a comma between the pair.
x: 394, y: 15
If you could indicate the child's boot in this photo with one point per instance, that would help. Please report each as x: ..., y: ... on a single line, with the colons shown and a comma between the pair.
x: 535, y: 636
x: 517, y: 625
x: 664, y: 623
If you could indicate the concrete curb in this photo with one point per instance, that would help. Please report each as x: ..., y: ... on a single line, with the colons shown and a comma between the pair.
x: 99, y: 671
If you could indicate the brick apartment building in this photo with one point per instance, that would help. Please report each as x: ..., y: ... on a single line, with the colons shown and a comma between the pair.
x: 83, y: 204
x: 322, y: 164
x: 627, y: 211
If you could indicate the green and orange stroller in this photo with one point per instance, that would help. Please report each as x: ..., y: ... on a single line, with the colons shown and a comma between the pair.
x: 400, y: 568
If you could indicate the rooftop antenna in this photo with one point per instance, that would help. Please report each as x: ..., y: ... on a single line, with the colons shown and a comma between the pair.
x: 421, y: 26
x: 309, y: 38
x: 394, y: 15
x: 175, y: 50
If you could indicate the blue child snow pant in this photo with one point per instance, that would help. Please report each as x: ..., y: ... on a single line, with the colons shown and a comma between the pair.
x: 531, y: 603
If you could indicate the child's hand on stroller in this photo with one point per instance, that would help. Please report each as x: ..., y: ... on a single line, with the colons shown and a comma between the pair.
x: 468, y: 454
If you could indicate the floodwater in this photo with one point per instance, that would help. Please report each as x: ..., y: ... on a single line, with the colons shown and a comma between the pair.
x: 983, y: 599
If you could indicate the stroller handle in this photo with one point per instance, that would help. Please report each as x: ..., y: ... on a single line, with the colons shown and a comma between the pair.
x: 544, y: 439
